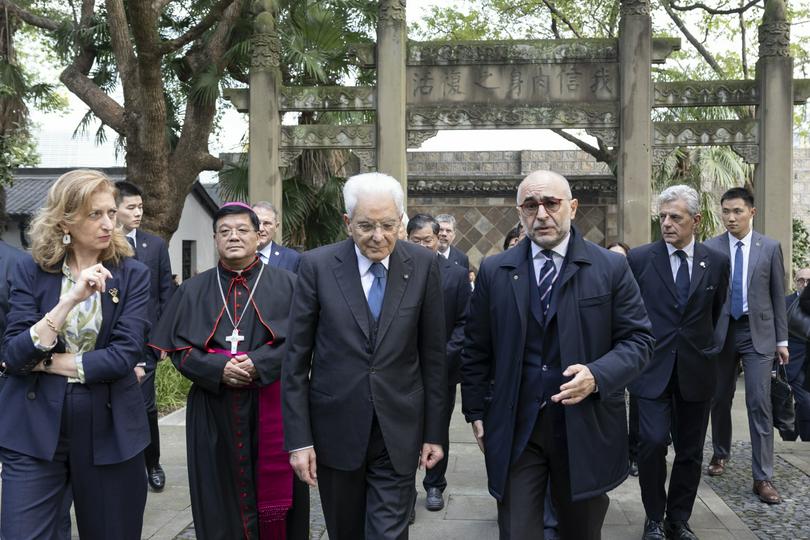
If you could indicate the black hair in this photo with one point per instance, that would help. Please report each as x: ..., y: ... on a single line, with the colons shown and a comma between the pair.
x: 738, y: 193
x: 233, y: 210
x: 511, y: 235
x: 126, y: 189
x: 420, y: 221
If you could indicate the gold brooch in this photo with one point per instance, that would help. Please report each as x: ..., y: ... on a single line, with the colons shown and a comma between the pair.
x: 114, y: 294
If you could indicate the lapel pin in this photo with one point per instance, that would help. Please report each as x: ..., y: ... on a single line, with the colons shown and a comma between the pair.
x: 405, y: 276
x: 114, y: 294
x: 275, y: 253
x: 703, y: 264
x: 143, y: 245
x: 515, y: 277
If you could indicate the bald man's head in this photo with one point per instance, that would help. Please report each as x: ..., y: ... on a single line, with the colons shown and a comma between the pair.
x: 546, y: 207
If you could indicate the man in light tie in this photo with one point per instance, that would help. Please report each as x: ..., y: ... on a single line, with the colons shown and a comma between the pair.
x: 753, y: 329
x: 272, y: 253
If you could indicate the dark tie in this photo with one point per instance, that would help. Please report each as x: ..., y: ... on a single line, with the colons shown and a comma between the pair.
x: 737, y: 284
x: 547, y: 274
x: 377, y: 291
x: 682, y: 279
x: 132, y: 243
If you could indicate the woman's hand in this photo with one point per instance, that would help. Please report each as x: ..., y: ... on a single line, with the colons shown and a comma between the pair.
x: 92, y: 279
x: 63, y: 364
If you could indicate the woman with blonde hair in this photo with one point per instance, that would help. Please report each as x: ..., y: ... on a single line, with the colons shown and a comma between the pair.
x: 74, y: 421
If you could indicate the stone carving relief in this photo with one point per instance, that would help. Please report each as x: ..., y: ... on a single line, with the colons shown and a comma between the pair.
x: 486, y: 186
x: 749, y: 152
x: 368, y: 160
x: 608, y: 136
x: 287, y: 157
x: 327, y: 98
x: 706, y: 93
x: 265, y: 46
x: 392, y: 11
x: 774, y: 39
x: 417, y: 137
x: 635, y: 7
x: 325, y: 136
x: 512, y: 52
x: 671, y: 134
x: 490, y: 116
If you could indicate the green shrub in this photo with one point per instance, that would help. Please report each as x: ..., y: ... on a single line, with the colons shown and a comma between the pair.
x: 801, y: 244
x: 171, y: 388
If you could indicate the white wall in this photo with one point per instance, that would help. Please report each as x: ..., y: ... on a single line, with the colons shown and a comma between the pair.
x: 195, y: 224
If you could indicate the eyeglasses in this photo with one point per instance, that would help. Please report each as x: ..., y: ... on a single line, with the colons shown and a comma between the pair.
x: 530, y: 207
x: 386, y: 226
x: 428, y: 241
x: 241, y: 232
x: 803, y: 281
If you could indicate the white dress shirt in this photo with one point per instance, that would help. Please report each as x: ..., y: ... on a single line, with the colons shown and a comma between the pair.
x: 558, y: 254
x: 746, y: 250
x: 364, y: 267
x: 675, y: 261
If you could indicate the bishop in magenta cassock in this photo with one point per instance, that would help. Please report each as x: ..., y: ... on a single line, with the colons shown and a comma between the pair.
x: 225, y: 330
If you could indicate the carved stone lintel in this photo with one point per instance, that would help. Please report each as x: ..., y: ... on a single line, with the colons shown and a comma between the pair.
x: 417, y: 137
x: 265, y: 50
x: 749, y: 152
x: 711, y: 133
x: 368, y: 160
x: 535, y: 51
x: 660, y: 155
x: 489, y: 187
x: 774, y: 39
x: 287, y: 157
x: 328, y: 136
x: 392, y: 11
x: 608, y: 136
x: 635, y: 7
x: 327, y: 98
x: 705, y: 93
x: 481, y: 115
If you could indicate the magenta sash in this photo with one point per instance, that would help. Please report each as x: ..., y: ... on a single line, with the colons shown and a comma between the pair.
x: 274, y: 479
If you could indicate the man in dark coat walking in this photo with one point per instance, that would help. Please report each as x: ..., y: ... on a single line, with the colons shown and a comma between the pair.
x: 556, y: 330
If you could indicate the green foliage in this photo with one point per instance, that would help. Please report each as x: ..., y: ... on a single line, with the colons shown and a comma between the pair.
x: 801, y: 245
x: 171, y: 388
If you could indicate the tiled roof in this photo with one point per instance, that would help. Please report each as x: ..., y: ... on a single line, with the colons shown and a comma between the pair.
x: 30, y: 188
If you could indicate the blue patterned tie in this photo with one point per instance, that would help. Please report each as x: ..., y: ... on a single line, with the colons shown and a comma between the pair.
x: 682, y: 279
x: 377, y: 291
x: 737, y: 284
x: 547, y: 275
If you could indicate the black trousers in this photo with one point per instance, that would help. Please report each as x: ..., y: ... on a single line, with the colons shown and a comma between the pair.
x: 371, y: 502
x: 109, y: 499
x: 521, y: 512
x: 435, y: 477
x: 632, y: 427
x: 151, y: 453
x: 687, y: 421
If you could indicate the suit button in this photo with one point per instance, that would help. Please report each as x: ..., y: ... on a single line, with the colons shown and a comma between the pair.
x: 109, y: 405
x: 31, y: 395
x: 545, y: 367
x: 674, y: 351
x: 372, y: 371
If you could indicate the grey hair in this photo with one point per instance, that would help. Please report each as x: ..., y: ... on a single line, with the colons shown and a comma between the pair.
x: 446, y: 218
x: 266, y: 206
x: 373, y: 183
x: 684, y: 193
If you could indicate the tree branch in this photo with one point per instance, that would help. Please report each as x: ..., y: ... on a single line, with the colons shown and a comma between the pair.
x: 556, y: 13
x: 103, y: 106
x: 119, y: 39
x: 744, y: 55
x: 714, y: 11
x: 196, y: 31
x: 692, y: 39
x: 604, y: 156
x: 30, y: 18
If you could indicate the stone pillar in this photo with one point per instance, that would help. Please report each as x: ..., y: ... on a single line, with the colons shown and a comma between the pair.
x: 392, y: 41
x: 773, y: 177
x: 264, y: 177
x: 635, y: 129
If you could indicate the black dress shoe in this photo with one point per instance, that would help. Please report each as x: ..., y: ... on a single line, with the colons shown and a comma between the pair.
x: 633, y: 468
x: 653, y: 530
x: 157, y: 478
x: 434, y: 500
x: 679, y: 530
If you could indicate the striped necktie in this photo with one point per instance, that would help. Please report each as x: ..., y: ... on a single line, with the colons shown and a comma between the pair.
x: 548, y: 273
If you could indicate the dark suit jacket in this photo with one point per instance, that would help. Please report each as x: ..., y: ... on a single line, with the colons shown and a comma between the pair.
x: 335, y: 378
x: 8, y: 259
x: 685, y: 334
x: 34, y: 400
x: 152, y: 251
x: 767, y: 314
x: 283, y: 257
x: 456, y: 292
x: 602, y: 323
x: 458, y: 257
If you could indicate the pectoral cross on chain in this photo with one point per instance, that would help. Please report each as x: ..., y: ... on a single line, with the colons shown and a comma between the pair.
x: 234, y: 339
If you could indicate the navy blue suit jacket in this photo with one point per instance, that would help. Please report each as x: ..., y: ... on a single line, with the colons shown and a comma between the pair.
x: 682, y: 333
x: 152, y: 251
x: 34, y: 400
x: 456, y: 256
x: 283, y: 257
x: 601, y: 322
x: 8, y: 259
x: 456, y: 292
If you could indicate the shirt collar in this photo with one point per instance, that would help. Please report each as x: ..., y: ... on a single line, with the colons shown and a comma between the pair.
x: 364, y: 263
x: 689, y: 249
x: 66, y: 271
x: 746, y: 240
x: 268, y: 249
x: 131, y: 234
x: 560, y: 249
